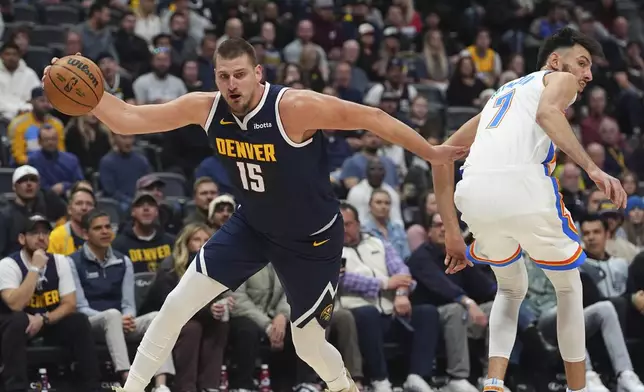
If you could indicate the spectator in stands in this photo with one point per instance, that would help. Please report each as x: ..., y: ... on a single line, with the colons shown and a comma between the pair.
x: 293, y: 51
x: 169, y: 213
x: 354, y: 168
x: 630, y: 182
x: 617, y: 244
x: 417, y: 233
x: 104, y: 280
x: 635, y: 293
x: 73, y: 44
x: 89, y: 140
x: 375, y: 286
x: 219, y: 211
x: 16, y: 82
x: 469, y: 293
x: 68, y: 238
x: 148, y: 23
x: 212, y: 168
x: 261, y: 311
x: 379, y: 223
x: 183, y: 45
x: 198, y: 23
x: 133, y: 54
x: 24, y: 130
x: 601, y: 317
x: 190, y: 76
x: 20, y: 37
x: 615, y: 163
x: 204, y: 191
x: 144, y: 241
x: 121, y: 168
x: 58, y: 169
x: 38, y: 300
x: 350, y: 55
x: 158, y: 86
x: 30, y: 199
x: 329, y: 33
x: 572, y: 185
x: 342, y: 82
x: 199, y: 351
x: 205, y: 62
x: 360, y: 195
x: 368, y: 59
x: 118, y: 83
x: 596, y: 114
x: 487, y: 63
x: 634, y: 224
x: 465, y: 86
x: 233, y: 28
x: 435, y: 59
x: 96, y: 36
x: 394, y: 82
x: 597, y: 154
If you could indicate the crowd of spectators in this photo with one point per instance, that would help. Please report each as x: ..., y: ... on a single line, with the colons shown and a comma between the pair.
x: 115, y: 213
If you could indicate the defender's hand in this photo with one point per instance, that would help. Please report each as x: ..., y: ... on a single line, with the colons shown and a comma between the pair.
x: 611, y: 187
x: 455, y: 249
x: 444, y: 154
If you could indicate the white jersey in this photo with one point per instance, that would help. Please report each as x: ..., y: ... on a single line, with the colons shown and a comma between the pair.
x: 508, y: 134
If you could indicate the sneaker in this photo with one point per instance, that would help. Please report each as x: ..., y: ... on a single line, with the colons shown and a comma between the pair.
x: 352, y: 385
x: 594, y: 382
x: 381, y: 386
x: 459, y: 385
x: 481, y: 382
x: 161, y: 388
x: 628, y: 381
x: 117, y: 388
x: 416, y: 383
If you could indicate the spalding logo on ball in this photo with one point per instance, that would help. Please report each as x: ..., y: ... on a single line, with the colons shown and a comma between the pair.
x: 74, y: 85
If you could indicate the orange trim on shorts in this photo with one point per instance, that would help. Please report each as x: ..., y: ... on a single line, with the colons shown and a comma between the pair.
x: 565, y: 214
x: 562, y: 263
x: 480, y: 259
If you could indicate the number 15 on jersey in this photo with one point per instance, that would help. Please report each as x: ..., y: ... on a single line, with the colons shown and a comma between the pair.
x: 251, y: 176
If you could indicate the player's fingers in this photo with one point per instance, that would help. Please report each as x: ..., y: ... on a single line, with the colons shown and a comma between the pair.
x: 447, y: 259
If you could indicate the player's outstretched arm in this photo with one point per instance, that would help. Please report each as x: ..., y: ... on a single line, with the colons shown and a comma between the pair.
x: 561, y: 88
x: 306, y: 111
x: 124, y: 118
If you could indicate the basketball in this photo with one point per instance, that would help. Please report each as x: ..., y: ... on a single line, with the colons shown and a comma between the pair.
x: 74, y: 85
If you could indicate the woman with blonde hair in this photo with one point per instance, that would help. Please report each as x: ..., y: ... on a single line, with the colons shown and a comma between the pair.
x: 88, y: 139
x: 435, y: 59
x: 199, y: 352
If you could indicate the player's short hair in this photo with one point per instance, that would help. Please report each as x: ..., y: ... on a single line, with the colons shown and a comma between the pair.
x: 567, y: 38
x: 233, y: 48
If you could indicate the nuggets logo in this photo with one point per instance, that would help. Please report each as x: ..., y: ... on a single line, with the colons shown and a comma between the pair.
x: 325, y: 315
x: 70, y: 85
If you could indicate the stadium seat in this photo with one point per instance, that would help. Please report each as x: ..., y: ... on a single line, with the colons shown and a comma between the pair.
x: 57, y: 15
x: 45, y: 35
x: 175, y: 184
x: 111, y: 207
x: 433, y: 94
x: 38, y: 57
x: 24, y: 12
x: 457, y: 116
x: 142, y: 283
x: 6, y: 185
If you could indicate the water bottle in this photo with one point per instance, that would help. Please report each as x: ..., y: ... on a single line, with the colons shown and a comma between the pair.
x: 226, y: 315
x: 44, y: 380
x: 223, y: 383
x: 264, y: 379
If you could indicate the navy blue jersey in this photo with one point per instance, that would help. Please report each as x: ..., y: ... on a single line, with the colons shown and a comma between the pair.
x: 283, y: 187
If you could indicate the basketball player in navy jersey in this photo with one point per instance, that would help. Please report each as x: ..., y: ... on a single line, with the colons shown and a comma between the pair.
x: 267, y: 137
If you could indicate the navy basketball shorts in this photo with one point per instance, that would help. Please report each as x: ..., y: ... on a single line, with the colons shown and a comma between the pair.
x: 308, y: 267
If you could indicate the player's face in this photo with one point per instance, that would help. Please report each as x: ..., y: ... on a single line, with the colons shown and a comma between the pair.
x: 577, y: 61
x: 237, y: 80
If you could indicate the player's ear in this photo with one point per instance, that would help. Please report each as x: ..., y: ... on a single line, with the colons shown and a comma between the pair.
x: 259, y: 71
x: 555, y: 61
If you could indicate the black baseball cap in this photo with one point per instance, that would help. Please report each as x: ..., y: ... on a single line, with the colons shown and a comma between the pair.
x: 33, y: 221
x: 140, y: 197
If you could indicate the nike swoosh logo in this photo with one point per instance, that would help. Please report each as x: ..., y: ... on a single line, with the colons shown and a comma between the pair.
x: 318, y: 243
x: 222, y: 122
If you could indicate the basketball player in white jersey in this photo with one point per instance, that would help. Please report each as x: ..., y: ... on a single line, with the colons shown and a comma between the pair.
x: 511, y: 203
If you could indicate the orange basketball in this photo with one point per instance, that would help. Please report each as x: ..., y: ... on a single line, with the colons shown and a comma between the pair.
x: 74, y: 85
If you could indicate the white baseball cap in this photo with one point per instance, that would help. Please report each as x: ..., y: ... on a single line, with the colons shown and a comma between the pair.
x: 22, y: 171
x: 225, y: 198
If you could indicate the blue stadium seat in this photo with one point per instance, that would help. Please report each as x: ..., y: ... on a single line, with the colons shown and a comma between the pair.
x: 45, y: 35
x: 142, y: 283
x: 58, y: 15
x: 175, y: 184
x: 111, y: 207
x: 24, y: 12
x: 457, y: 116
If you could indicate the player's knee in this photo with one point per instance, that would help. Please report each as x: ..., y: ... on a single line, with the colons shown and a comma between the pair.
x: 307, y: 339
x: 515, y: 285
x: 565, y: 281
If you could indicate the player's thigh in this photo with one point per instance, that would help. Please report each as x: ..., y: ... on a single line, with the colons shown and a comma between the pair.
x: 492, y: 244
x: 233, y: 254
x: 551, y: 241
x: 309, y: 270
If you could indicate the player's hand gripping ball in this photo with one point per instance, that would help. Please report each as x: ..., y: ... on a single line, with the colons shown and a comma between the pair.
x: 74, y: 85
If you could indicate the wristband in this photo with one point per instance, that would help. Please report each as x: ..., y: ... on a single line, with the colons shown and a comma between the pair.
x: 33, y: 268
x: 401, y: 292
